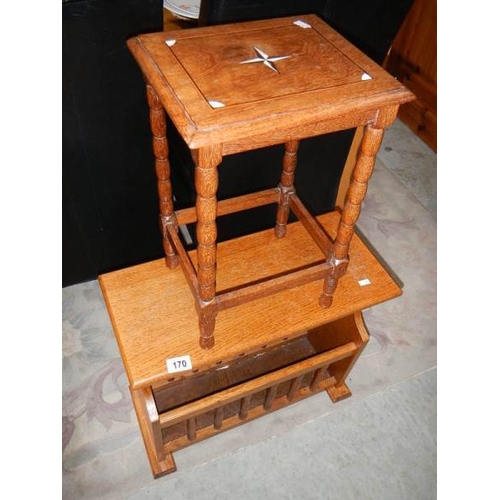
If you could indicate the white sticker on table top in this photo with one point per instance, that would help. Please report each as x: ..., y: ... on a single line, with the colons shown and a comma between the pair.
x: 364, y: 282
x: 179, y: 364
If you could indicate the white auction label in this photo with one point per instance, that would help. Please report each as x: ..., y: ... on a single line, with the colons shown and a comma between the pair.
x: 179, y: 364
x: 364, y: 282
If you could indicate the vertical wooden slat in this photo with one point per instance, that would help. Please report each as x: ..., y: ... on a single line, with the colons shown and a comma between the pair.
x: 345, y: 179
x: 191, y: 429
x: 148, y: 413
x: 270, y: 397
x: 219, y: 414
x: 245, y: 403
x: 294, y: 387
x: 319, y: 375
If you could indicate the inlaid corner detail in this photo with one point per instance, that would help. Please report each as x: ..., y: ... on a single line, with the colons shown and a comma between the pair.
x: 302, y: 24
x: 216, y: 104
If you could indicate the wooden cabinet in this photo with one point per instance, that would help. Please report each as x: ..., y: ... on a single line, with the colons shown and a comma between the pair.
x: 413, y: 60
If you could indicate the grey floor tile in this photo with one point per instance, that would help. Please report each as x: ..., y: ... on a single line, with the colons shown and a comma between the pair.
x: 413, y: 163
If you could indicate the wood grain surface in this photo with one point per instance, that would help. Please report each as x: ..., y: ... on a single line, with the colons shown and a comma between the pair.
x: 154, y: 316
x: 326, y: 84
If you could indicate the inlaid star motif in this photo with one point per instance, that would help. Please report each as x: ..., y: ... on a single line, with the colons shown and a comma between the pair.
x: 262, y: 57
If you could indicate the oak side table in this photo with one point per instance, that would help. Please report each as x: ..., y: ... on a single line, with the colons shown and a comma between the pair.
x: 237, y: 87
x: 263, y: 360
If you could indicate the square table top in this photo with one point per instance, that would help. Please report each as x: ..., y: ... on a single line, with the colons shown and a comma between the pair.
x: 231, y: 82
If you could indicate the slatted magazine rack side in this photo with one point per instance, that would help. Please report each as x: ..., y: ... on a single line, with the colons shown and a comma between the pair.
x: 235, y: 405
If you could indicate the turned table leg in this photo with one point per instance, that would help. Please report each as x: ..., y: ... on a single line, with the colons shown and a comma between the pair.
x: 158, y: 123
x: 206, y: 182
x: 363, y: 169
x: 286, y: 187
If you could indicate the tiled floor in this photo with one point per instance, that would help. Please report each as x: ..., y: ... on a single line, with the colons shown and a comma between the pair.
x: 379, y: 444
x: 413, y: 163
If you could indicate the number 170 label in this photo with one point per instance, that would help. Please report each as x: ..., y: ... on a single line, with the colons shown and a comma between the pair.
x: 179, y: 364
